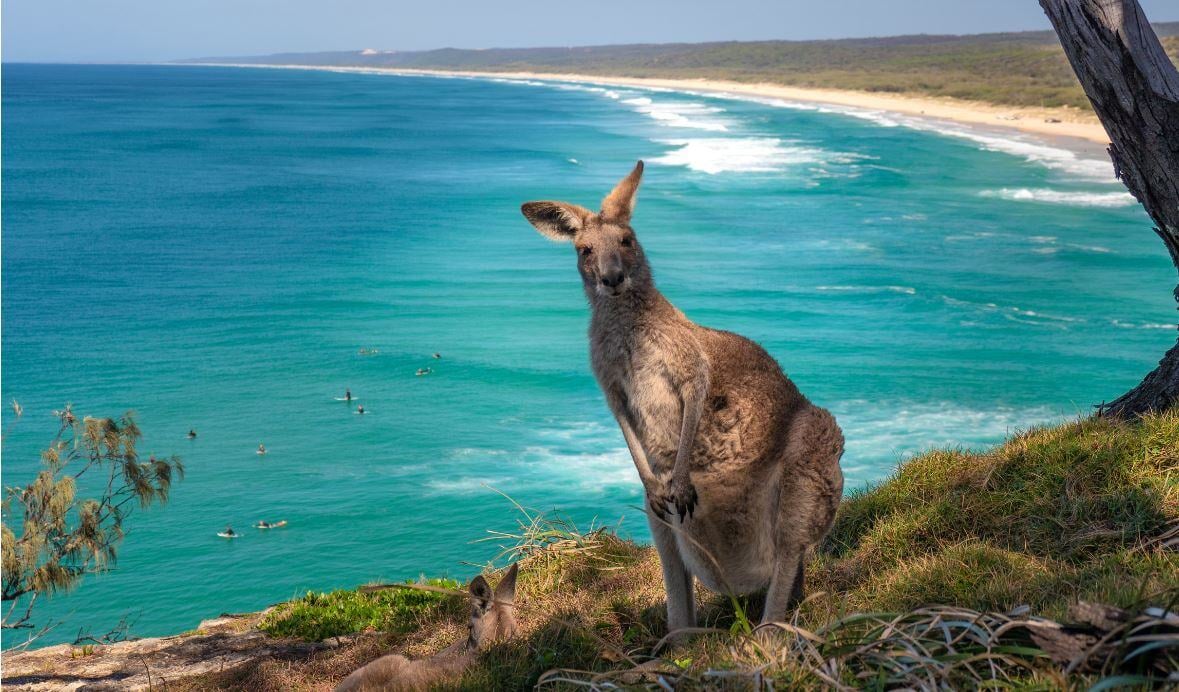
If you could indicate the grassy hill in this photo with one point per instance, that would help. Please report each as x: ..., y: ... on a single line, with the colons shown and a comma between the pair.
x: 1025, y: 68
x: 952, y: 573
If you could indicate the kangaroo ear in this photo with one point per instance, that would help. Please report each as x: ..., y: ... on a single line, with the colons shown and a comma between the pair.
x: 481, y: 595
x: 556, y: 220
x: 505, y: 591
x: 620, y: 203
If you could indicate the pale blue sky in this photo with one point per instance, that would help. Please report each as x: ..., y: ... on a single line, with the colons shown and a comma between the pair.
x: 145, y: 30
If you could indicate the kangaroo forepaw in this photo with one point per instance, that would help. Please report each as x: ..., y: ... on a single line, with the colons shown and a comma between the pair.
x: 682, y: 495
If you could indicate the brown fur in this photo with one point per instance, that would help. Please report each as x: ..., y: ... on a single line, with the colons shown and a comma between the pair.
x: 492, y: 619
x: 741, y: 471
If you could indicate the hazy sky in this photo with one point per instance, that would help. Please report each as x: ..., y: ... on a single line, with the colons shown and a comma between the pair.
x: 141, y: 30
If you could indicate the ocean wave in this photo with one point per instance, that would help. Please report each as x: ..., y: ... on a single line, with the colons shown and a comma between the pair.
x: 878, y: 430
x: 1015, y: 313
x: 578, y: 454
x: 1142, y: 325
x: 907, y: 290
x: 679, y: 114
x: 737, y: 154
x: 1033, y: 151
x: 1079, y: 199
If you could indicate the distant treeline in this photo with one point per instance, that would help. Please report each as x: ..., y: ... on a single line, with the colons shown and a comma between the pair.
x: 1026, y: 68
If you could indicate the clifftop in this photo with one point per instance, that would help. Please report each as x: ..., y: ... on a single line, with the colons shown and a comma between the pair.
x: 1009, y: 542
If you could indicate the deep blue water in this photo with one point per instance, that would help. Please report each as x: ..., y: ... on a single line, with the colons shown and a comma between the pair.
x: 213, y: 247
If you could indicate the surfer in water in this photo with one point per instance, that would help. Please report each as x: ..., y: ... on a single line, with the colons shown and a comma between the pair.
x: 437, y: 356
x: 360, y: 409
x: 261, y: 448
x: 263, y: 524
x: 191, y: 434
x: 347, y: 395
x: 229, y: 531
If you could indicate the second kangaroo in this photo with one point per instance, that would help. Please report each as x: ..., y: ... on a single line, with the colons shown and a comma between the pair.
x: 741, y: 471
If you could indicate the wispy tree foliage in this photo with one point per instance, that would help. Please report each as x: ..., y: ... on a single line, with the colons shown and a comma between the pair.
x: 62, y: 537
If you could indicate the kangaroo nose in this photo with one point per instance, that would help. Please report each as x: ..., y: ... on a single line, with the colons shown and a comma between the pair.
x: 612, y: 278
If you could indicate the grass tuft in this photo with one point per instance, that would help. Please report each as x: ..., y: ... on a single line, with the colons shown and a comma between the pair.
x: 318, y: 616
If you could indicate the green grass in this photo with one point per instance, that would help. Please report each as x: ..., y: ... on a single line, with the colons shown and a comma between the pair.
x: 938, y: 576
x: 317, y: 616
x: 1050, y: 516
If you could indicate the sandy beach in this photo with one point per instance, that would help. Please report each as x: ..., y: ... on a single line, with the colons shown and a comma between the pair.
x: 1079, y: 130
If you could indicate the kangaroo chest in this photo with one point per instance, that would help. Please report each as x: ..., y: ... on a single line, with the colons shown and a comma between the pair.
x: 641, y: 385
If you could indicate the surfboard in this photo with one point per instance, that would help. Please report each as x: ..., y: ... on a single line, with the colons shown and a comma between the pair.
x: 341, y: 398
x: 228, y: 535
x: 277, y: 525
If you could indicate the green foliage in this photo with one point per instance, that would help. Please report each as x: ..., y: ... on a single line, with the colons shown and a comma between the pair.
x: 318, y: 616
x: 1025, y: 69
x: 61, y: 536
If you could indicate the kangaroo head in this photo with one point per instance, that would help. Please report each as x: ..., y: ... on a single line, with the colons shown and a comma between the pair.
x: 493, y: 614
x: 609, y: 257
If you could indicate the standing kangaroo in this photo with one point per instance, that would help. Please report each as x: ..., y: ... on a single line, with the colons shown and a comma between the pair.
x: 492, y: 618
x: 723, y: 441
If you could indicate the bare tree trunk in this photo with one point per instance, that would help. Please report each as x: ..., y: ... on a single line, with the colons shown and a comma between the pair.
x: 1135, y: 90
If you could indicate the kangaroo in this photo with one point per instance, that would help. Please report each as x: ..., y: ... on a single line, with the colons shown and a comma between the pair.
x: 492, y: 618
x: 746, y: 466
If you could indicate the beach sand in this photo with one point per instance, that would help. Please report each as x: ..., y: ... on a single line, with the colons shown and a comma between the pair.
x: 1077, y: 129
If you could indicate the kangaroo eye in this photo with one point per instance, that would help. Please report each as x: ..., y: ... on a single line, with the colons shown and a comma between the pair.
x: 586, y: 251
x: 627, y: 242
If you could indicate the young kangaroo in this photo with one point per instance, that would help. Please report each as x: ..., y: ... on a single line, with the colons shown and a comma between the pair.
x: 492, y: 618
x: 745, y: 465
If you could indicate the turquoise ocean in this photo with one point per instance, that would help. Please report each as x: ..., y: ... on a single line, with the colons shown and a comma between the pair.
x: 214, y: 248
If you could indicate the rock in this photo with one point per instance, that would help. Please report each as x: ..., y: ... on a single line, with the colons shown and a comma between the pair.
x: 218, y: 644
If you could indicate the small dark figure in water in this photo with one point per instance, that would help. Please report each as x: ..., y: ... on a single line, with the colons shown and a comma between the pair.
x: 261, y: 448
x: 263, y: 524
x: 424, y: 371
x: 191, y: 434
x: 347, y: 395
x: 360, y: 409
x: 229, y: 531
x: 437, y: 355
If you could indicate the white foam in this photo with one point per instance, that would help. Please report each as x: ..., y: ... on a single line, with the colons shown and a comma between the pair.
x: 679, y: 113
x: 1079, y: 199
x: 737, y: 154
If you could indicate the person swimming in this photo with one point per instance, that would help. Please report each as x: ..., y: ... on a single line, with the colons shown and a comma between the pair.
x: 360, y: 409
x: 191, y: 434
x: 424, y: 371
x: 263, y: 524
x: 437, y: 356
x: 261, y: 448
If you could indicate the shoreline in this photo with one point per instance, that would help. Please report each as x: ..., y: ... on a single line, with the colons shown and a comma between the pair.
x: 1072, y: 129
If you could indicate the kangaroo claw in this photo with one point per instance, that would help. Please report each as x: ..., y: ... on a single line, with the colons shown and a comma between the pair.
x: 658, y: 506
x: 683, y: 496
